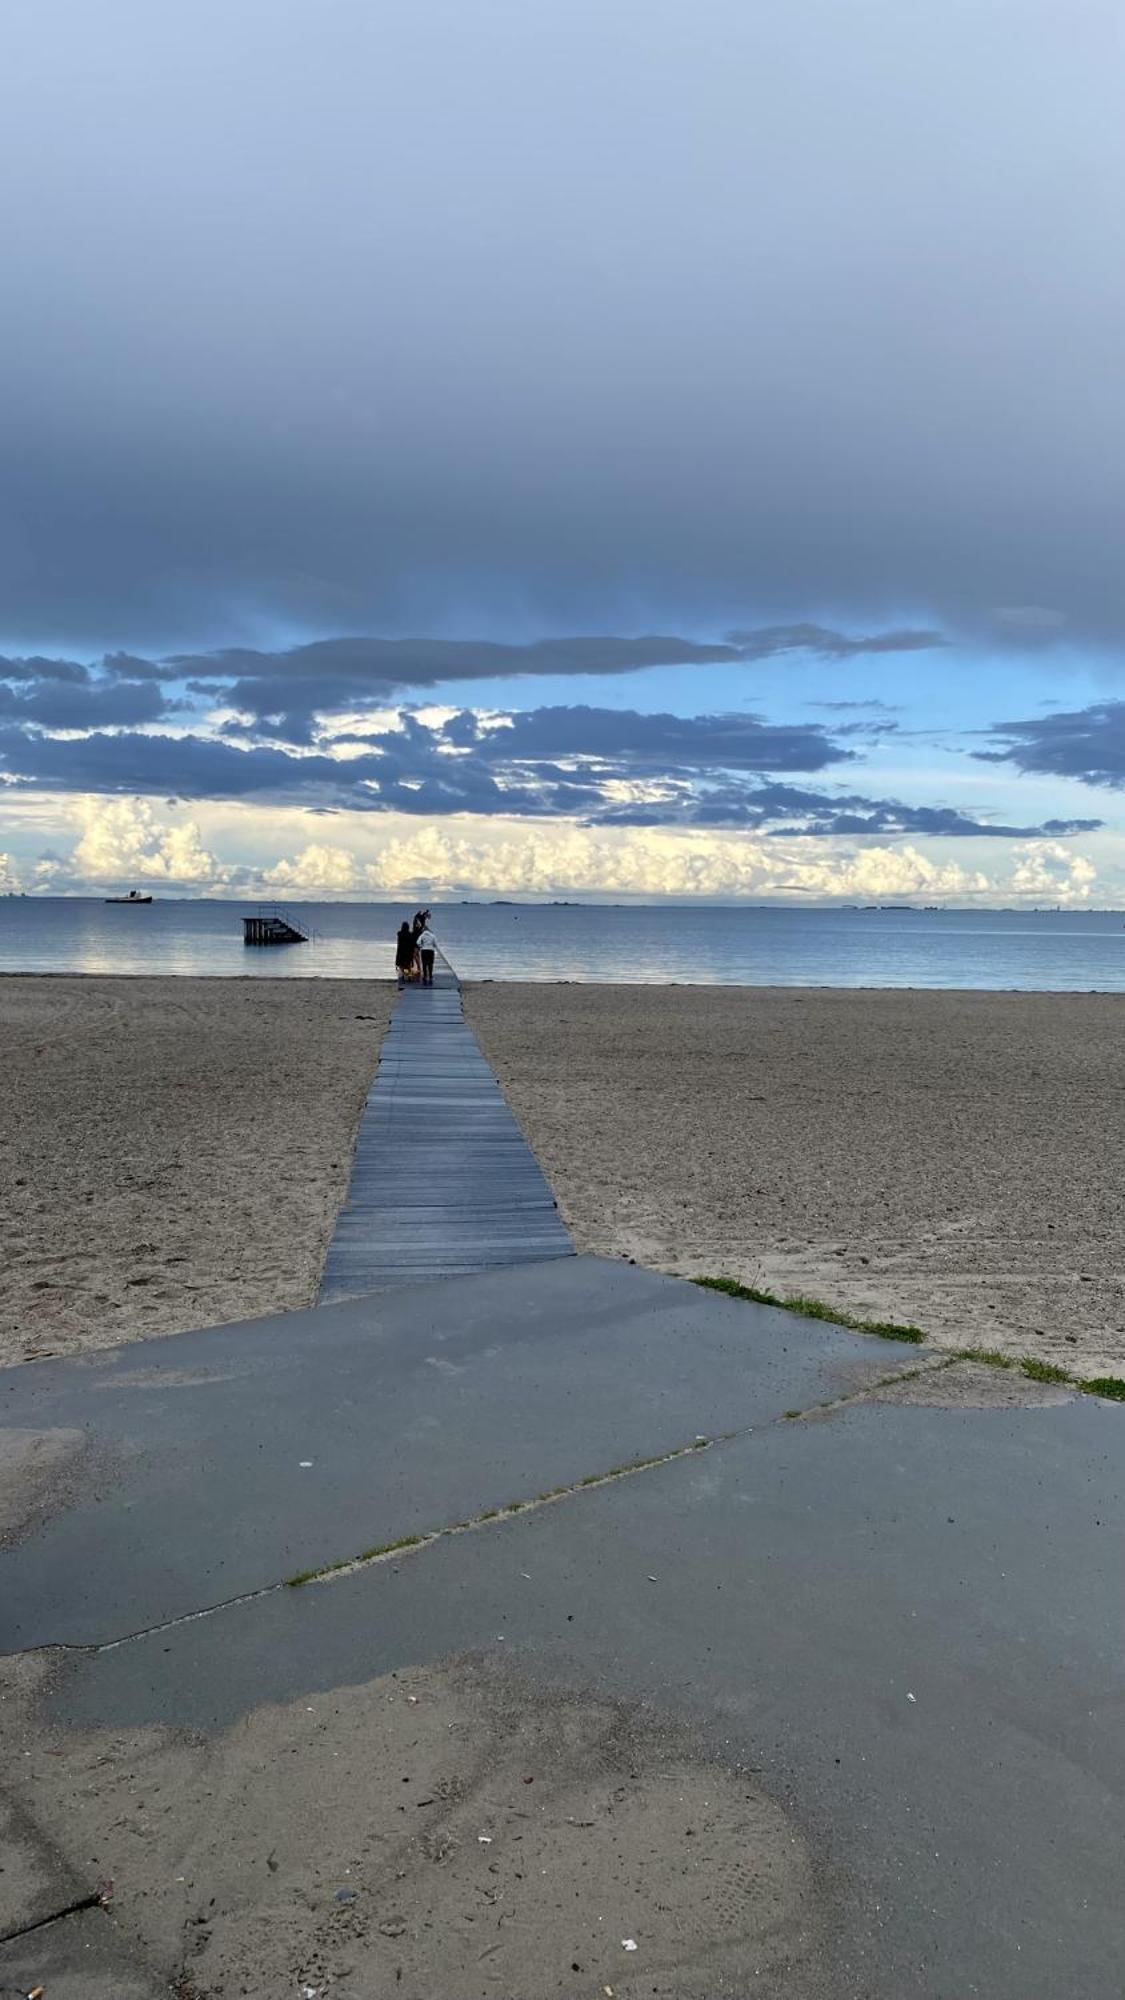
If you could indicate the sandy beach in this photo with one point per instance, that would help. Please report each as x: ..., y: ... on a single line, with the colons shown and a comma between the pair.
x: 173, y: 1151
x: 949, y: 1159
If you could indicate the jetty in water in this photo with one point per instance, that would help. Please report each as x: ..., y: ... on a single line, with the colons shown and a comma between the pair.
x: 272, y: 927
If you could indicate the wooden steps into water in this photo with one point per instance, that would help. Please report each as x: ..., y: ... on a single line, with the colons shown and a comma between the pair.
x: 272, y: 927
x: 443, y: 1181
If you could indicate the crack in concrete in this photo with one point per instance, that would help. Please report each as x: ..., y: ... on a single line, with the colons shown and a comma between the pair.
x: 935, y: 1367
x: 182, y: 1618
x: 414, y: 1544
x: 94, y: 1902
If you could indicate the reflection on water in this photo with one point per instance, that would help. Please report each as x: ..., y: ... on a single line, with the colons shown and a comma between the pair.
x: 1070, y: 950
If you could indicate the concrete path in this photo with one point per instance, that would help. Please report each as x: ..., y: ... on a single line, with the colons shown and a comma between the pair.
x: 220, y: 1462
x: 904, y: 1621
x: 443, y: 1180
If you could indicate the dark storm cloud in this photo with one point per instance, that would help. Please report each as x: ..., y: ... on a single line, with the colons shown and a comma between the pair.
x: 63, y: 704
x: 890, y: 817
x: 291, y: 687
x: 788, y: 811
x: 295, y: 685
x: 126, y: 667
x: 551, y: 763
x: 381, y: 665
x: 38, y: 669
x: 1085, y: 743
x: 825, y: 645
x: 411, y: 767
x: 519, y: 319
x: 656, y: 744
x: 198, y: 768
x: 281, y: 694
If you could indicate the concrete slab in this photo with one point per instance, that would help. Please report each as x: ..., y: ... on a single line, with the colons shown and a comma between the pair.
x: 231, y: 1458
x: 83, y: 1957
x: 908, y: 1621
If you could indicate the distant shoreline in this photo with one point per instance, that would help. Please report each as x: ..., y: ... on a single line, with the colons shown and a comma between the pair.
x: 387, y: 981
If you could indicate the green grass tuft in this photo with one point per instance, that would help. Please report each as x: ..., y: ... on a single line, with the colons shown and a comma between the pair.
x: 813, y: 1309
x: 1044, y: 1371
x: 989, y: 1357
x: 1105, y: 1385
x: 388, y: 1548
x: 347, y: 1562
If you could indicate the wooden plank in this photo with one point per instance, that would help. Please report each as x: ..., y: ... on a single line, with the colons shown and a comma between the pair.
x: 443, y: 1181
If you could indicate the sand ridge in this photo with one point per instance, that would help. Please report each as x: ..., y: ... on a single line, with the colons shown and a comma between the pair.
x: 950, y: 1159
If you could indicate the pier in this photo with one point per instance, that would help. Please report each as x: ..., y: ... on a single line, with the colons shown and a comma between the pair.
x: 272, y: 927
x: 443, y: 1181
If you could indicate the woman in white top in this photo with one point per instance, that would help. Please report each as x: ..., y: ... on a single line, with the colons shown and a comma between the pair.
x: 427, y: 945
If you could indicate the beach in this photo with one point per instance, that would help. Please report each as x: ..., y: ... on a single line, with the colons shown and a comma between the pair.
x: 173, y: 1151
x: 948, y: 1159
x: 326, y: 1728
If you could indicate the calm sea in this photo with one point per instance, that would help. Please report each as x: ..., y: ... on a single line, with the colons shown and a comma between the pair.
x: 1048, y: 951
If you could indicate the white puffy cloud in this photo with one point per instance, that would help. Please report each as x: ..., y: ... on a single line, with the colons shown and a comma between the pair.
x: 232, y: 847
x: 317, y: 867
x: 1046, y: 871
x: 509, y: 858
x: 130, y: 839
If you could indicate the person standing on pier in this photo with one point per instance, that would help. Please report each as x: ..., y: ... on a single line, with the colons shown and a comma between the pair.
x: 404, y: 954
x: 427, y: 946
x: 418, y: 924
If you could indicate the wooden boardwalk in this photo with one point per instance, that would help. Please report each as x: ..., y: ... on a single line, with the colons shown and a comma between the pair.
x: 443, y: 1181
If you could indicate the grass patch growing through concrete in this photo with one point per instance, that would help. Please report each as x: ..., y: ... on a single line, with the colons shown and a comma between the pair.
x: 813, y: 1309
x: 490, y: 1514
x: 1044, y: 1371
x: 347, y: 1562
x: 1111, y: 1387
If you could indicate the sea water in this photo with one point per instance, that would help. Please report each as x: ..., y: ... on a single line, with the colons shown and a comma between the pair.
x: 1061, y: 951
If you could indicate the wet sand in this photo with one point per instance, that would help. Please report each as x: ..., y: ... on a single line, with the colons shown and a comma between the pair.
x: 448, y: 1831
x: 953, y: 1160
x: 172, y: 1151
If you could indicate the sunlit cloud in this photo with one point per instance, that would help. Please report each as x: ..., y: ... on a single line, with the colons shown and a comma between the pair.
x: 245, y: 850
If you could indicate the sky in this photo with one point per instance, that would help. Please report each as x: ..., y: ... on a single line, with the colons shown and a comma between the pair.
x: 672, y: 448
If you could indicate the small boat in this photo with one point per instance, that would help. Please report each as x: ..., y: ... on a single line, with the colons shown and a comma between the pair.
x: 134, y: 896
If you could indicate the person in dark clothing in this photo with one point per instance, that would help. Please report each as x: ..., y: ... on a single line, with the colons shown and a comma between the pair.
x: 404, y: 954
